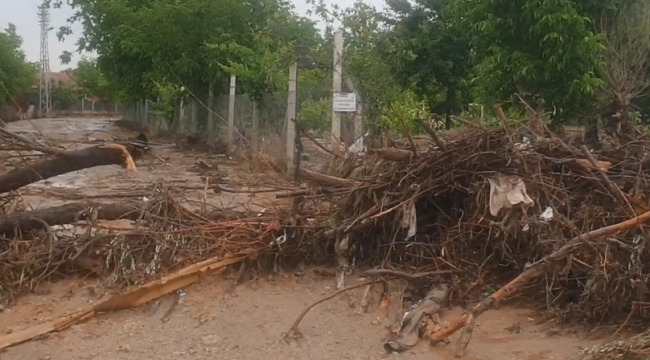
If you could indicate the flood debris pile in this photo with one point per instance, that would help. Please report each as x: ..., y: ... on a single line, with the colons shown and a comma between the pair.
x: 492, y: 203
x: 164, y: 235
x: 489, y: 208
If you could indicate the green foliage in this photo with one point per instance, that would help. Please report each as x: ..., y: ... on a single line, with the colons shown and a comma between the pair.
x: 430, y: 55
x: 315, y: 99
x: 90, y: 81
x: 544, y: 48
x: 403, y: 112
x: 315, y: 115
x: 168, y: 95
x: 64, y: 96
x: 414, y: 57
x: 65, y: 57
x: 16, y: 74
x: 402, y: 59
x: 192, y: 43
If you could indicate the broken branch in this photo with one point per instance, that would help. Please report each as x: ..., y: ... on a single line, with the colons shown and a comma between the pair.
x: 295, y: 333
x: 67, y: 214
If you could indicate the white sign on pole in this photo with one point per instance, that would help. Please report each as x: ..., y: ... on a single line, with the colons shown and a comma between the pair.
x: 345, y: 102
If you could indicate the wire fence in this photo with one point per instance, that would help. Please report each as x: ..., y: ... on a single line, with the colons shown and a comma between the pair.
x: 28, y: 108
x: 259, y: 123
x: 208, y: 120
x: 83, y: 107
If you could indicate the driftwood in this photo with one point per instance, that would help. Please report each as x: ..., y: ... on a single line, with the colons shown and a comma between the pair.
x: 533, y: 272
x: 436, y: 139
x: 294, y: 333
x: 327, y: 180
x: 67, y: 214
x: 394, y: 154
x: 69, y: 161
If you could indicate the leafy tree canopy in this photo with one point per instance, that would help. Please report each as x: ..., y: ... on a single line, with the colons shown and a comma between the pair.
x: 547, y: 49
x: 414, y: 56
x: 143, y: 44
x: 90, y: 81
x: 16, y: 74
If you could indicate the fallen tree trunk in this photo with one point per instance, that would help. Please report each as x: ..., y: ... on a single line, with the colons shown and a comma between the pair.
x: 393, y: 154
x: 68, y: 214
x: 533, y: 272
x: 69, y: 161
x: 327, y: 180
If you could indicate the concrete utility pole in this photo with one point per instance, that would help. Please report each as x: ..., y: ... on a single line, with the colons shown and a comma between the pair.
x: 336, y: 88
x: 291, y: 115
x: 256, y: 127
x: 210, y: 111
x: 231, y: 110
x: 45, y: 85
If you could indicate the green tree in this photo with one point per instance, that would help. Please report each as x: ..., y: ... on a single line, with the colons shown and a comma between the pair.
x: 90, y: 81
x: 149, y: 49
x: 430, y: 55
x: 64, y: 96
x: 545, y: 50
x: 16, y: 74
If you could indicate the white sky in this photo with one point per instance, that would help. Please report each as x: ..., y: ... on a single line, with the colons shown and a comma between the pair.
x: 22, y: 13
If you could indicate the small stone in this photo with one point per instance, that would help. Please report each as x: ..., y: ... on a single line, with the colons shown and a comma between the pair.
x: 210, y: 340
x: 124, y: 348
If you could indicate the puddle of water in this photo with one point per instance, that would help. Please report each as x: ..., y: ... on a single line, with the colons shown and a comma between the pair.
x: 74, y: 180
x: 61, y: 183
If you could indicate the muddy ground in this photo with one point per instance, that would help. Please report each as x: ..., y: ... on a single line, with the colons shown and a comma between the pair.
x: 215, y: 320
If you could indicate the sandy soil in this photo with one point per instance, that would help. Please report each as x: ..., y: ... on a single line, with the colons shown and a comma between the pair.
x: 215, y: 320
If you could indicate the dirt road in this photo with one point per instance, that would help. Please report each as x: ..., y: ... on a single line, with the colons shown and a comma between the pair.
x: 247, y: 323
x: 179, y: 168
x: 214, y: 320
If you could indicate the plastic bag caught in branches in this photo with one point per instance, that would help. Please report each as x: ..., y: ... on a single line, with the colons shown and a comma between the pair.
x: 507, y: 191
x: 409, y: 219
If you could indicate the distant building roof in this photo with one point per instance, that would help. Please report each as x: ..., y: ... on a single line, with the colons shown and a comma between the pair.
x: 58, y: 78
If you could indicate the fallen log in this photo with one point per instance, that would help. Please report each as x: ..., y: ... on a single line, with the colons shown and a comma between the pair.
x: 69, y: 161
x: 436, y: 139
x: 394, y: 154
x: 531, y: 273
x: 327, y: 180
x: 68, y: 214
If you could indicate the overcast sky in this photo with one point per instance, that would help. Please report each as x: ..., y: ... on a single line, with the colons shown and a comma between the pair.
x: 22, y: 13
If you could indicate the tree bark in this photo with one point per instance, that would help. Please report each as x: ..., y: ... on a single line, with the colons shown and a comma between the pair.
x: 65, y: 162
x: 68, y: 214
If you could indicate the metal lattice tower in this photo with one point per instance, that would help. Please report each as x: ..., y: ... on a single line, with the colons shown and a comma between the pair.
x: 45, y: 85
